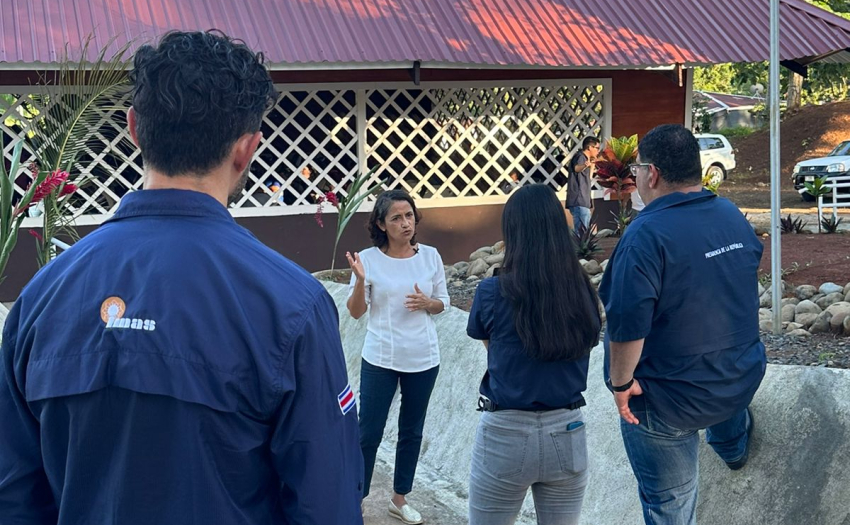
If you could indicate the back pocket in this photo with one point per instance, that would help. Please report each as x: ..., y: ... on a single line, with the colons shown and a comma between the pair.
x: 571, y: 447
x: 505, y: 451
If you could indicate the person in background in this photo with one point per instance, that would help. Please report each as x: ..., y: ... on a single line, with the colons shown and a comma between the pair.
x: 510, y: 185
x: 580, y: 173
x: 671, y: 373
x: 532, y: 431
x: 402, y: 284
x: 149, y: 374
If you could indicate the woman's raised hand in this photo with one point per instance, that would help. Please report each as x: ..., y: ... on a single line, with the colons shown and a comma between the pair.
x: 356, y: 265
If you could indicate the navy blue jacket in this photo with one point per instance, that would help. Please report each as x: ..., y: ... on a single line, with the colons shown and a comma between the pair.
x: 685, y: 277
x: 171, y: 369
x: 513, y: 379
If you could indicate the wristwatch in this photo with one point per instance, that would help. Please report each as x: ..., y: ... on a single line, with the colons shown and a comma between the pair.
x: 623, y: 388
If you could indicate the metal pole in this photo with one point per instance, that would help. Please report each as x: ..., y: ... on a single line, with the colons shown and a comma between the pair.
x: 775, y: 233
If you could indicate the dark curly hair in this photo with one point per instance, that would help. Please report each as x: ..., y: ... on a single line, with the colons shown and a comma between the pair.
x: 194, y: 95
x: 675, y: 152
x: 379, y: 214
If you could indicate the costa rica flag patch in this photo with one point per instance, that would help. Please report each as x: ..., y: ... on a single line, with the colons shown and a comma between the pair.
x: 346, y: 400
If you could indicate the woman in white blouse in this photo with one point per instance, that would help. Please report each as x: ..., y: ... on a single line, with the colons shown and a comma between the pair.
x: 402, y: 284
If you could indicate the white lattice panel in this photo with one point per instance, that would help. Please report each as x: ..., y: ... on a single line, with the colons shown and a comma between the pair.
x: 315, y: 130
x: 443, y: 143
x: 466, y: 142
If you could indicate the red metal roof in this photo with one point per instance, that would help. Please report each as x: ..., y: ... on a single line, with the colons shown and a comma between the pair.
x: 441, y: 33
x: 718, y: 101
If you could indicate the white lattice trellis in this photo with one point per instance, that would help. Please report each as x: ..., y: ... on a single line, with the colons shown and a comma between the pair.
x: 445, y: 143
x: 106, y: 169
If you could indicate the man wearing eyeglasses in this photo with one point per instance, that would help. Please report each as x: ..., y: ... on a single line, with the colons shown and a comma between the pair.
x: 671, y: 371
x: 580, y: 170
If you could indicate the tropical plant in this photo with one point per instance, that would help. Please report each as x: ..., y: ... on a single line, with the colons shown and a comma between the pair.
x: 613, y: 173
x: 792, y: 225
x: 830, y: 224
x: 75, y: 99
x: 817, y: 189
x: 587, y: 243
x: 11, y: 213
x: 711, y: 183
x: 347, y: 206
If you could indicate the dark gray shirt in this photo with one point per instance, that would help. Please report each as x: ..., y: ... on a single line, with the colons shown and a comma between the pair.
x: 578, y: 183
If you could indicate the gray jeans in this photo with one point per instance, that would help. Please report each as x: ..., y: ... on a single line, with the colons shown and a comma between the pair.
x: 515, y: 450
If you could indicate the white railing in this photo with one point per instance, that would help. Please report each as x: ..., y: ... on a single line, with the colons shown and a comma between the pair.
x: 838, y: 198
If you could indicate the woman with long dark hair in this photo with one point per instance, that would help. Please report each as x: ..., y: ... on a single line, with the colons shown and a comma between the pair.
x: 401, y: 283
x: 539, y: 320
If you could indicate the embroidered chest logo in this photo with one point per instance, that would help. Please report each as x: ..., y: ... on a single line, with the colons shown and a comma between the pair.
x: 112, y: 312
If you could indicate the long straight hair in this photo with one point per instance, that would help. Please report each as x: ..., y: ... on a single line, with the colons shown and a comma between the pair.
x: 554, y: 305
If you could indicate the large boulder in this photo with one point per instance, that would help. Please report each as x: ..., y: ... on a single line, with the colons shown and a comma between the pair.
x: 807, y: 307
x: 766, y: 299
x: 789, y: 300
x: 478, y: 267
x: 806, y: 319
x: 480, y: 253
x: 839, y: 312
x: 805, y: 291
x: 491, y: 271
x: 821, y: 324
x: 496, y: 258
x: 828, y: 288
x: 592, y: 267
x: 796, y: 473
x: 788, y: 313
x: 461, y: 266
x: 829, y: 299
x: 847, y: 325
x: 499, y: 247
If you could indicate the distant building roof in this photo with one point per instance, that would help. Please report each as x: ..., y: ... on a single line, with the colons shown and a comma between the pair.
x: 328, y: 34
x: 720, y: 101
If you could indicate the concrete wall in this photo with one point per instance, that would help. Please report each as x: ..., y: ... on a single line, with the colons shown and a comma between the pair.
x: 797, y: 472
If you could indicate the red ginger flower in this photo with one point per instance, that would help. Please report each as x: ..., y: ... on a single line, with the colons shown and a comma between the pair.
x: 37, y: 235
x: 332, y: 199
x: 47, y: 186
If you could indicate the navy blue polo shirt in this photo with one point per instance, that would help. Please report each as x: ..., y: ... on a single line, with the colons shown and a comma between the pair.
x: 684, y: 277
x: 171, y: 369
x: 513, y: 379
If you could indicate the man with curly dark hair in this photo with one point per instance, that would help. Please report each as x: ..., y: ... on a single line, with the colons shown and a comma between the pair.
x: 674, y: 372
x: 151, y: 374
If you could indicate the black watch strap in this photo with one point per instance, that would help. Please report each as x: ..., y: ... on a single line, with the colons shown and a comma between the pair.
x: 623, y: 388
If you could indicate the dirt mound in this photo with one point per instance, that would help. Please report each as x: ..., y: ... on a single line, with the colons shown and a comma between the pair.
x: 810, y: 132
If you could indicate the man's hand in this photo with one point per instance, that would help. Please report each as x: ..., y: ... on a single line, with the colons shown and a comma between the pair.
x: 622, y: 401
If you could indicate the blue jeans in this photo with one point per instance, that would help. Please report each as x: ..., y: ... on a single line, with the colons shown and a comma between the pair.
x: 581, y: 215
x: 377, y: 388
x: 515, y: 450
x: 664, y: 461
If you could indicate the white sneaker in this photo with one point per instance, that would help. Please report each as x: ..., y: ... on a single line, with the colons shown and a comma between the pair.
x: 406, y: 514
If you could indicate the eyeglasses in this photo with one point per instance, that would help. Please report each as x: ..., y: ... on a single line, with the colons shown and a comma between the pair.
x: 634, y: 168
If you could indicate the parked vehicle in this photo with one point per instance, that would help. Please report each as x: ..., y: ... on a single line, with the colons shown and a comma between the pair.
x: 836, y: 164
x: 716, y: 155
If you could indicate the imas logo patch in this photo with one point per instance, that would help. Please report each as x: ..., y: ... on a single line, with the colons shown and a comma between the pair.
x: 112, y: 312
